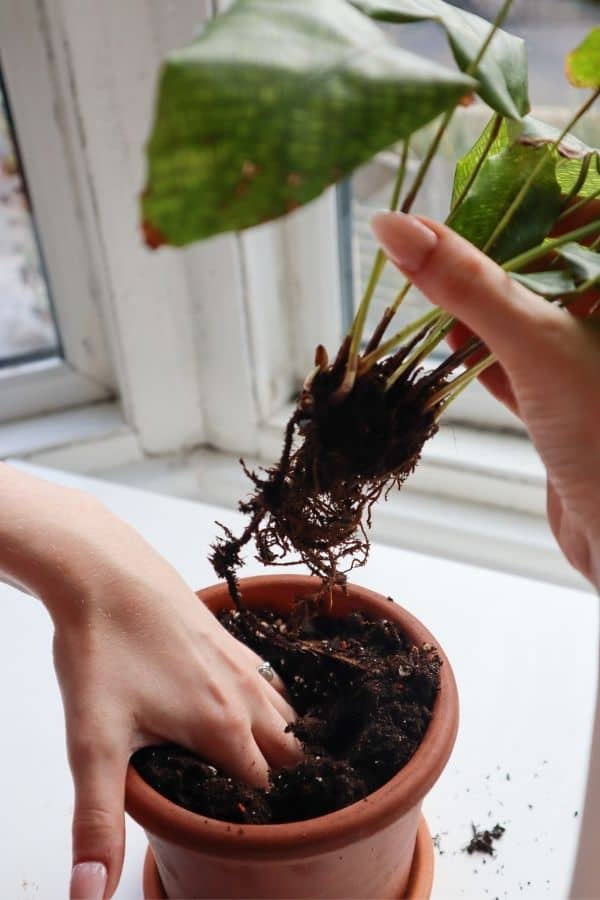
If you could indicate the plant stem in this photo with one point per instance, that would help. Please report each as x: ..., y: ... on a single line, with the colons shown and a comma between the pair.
x: 579, y: 183
x: 524, y: 259
x: 361, y: 315
x: 426, y: 161
x: 451, y: 390
x: 443, y: 325
x: 580, y: 203
x: 471, y: 70
x: 495, y: 130
x: 391, y: 311
x: 371, y: 358
x: 522, y: 193
x: 400, y: 177
x: 580, y: 289
x: 388, y: 314
x: 377, y: 268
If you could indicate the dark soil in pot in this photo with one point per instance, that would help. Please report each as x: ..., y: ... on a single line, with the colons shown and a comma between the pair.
x: 364, y: 698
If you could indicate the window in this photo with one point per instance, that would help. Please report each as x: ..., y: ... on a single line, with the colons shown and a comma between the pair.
x: 53, y: 351
x: 27, y: 327
x: 551, y: 28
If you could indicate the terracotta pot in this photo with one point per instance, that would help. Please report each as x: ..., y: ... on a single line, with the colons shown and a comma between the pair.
x: 363, y: 851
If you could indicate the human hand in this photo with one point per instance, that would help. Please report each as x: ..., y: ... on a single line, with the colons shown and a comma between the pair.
x: 548, y: 370
x: 140, y: 660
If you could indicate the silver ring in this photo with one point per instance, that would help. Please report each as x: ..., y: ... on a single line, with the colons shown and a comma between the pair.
x: 266, y: 670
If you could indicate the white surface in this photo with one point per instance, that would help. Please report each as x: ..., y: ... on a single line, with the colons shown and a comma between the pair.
x: 524, y: 654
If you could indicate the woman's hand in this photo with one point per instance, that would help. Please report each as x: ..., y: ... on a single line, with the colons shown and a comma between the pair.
x: 139, y: 660
x: 548, y: 371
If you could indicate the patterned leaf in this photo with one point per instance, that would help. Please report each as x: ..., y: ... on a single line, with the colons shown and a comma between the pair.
x: 502, y: 74
x: 493, y: 191
x: 275, y: 101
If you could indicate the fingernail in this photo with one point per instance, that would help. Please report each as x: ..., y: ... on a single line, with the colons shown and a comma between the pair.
x: 405, y: 239
x: 88, y: 881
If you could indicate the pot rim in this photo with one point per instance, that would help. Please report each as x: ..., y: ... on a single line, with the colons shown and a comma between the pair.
x: 322, y: 834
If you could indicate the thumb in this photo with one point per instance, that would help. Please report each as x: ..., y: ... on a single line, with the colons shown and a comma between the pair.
x: 99, y: 771
x: 456, y: 276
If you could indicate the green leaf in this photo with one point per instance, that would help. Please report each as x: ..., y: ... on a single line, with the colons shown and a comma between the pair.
x: 502, y: 73
x: 466, y: 165
x: 585, y: 263
x: 548, y: 284
x: 492, y: 193
x: 573, y: 157
x: 583, y: 63
x: 275, y: 101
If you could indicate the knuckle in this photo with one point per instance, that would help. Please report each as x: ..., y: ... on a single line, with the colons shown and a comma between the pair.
x: 226, y: 720
x: 217, y: 694
x: 250, y: 683
x: 94, y: 829
x: 472, y: 269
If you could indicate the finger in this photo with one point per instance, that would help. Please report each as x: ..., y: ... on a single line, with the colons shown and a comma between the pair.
x: 99, y: 770
x: 459, y: 278
x: 279, y: 747
x: 254, y: 661
x: 280, y: 703
x: 233, y: 748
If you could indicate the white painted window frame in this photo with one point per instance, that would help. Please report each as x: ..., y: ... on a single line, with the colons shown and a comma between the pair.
x: 85, y: 371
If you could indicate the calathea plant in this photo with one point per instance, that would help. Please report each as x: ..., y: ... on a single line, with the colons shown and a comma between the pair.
x: 277, y: 100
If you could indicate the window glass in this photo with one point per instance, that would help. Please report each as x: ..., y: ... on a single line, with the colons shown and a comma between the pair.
x: 551, y: 28
x: 27, y: 327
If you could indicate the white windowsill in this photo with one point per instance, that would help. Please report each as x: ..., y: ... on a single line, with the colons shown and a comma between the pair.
x: 466, y: 527
x: 81, y: 439
x: 477, y: 496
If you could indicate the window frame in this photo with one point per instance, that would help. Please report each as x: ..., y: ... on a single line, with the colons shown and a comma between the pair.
x: 84, y: 371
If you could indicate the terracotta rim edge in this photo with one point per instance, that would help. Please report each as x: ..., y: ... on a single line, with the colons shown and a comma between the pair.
x: 165, y: 819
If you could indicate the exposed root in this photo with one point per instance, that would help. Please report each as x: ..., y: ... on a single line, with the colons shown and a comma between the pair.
x: 315, y: 505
